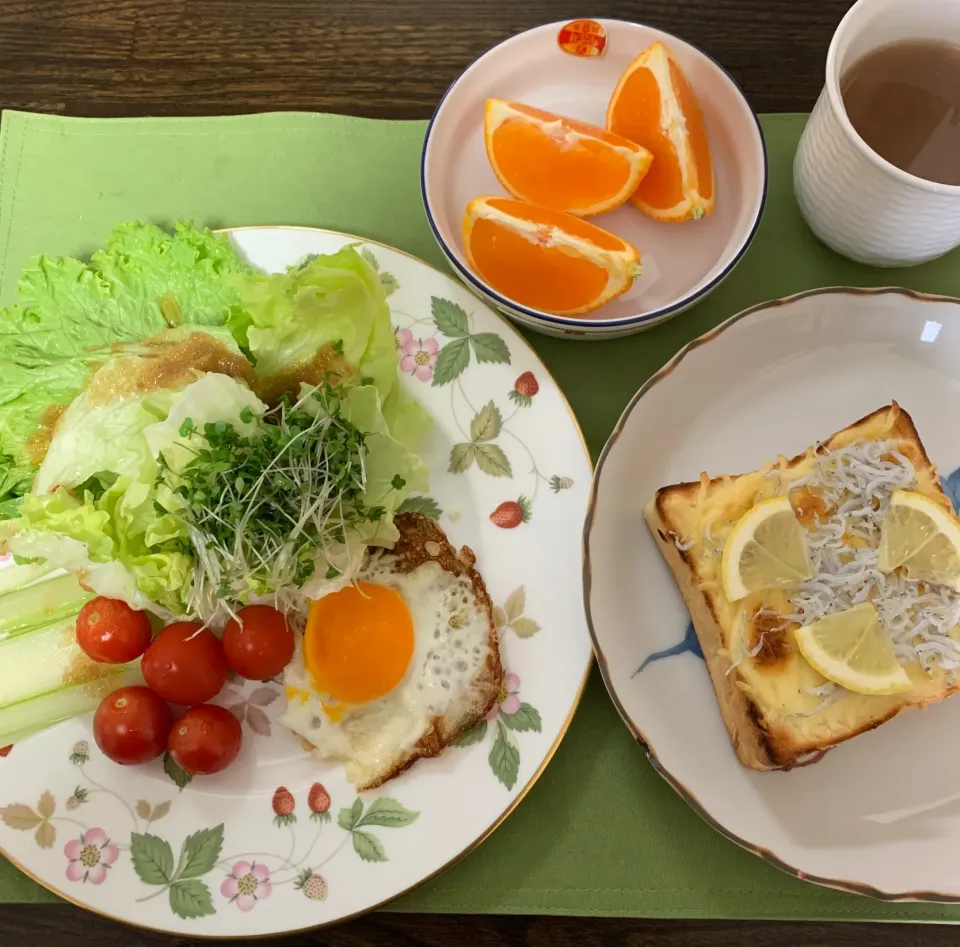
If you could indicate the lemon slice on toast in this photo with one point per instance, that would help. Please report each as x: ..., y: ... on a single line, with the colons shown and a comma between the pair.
x: 852, y: 649
x: 921, y: 538
x: 767, y: 549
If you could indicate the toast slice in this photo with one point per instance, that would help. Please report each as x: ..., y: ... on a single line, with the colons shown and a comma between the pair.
x: 778, y: 710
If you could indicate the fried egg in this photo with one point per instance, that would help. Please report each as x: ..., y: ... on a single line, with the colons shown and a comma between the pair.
x: 390, y: 668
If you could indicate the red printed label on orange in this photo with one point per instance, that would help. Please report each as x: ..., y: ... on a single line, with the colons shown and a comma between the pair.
x: 582, y: 38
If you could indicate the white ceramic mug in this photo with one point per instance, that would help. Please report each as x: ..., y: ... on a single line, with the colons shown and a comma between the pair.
x: 854, y: 200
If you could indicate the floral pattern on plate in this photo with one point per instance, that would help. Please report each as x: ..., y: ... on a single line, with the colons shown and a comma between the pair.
x: 441, y: 358
x: 281, y: 842
x: 93, y: 853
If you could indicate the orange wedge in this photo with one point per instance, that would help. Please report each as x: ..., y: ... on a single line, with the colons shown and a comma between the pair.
x: 544, y: 258
x: 559, y: 162
x: 654, y: 106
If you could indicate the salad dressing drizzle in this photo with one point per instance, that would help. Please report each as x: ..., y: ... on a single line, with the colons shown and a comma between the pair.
x: 327, y: 367
x: 166, y: 364
x: 159, y: 363
x: 39, y: 441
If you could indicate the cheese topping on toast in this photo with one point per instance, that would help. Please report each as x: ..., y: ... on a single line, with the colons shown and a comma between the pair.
x: 840, y: 492
x: 856, y: 484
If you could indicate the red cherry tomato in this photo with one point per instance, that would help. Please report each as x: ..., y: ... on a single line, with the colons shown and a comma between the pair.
x: 111, y: 632
x: 205, y: 740
x: 260, y: 645
x: 131, y: 725
x: 185, y: 664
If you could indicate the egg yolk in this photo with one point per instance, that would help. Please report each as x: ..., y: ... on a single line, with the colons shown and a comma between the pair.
x: 359, y: 642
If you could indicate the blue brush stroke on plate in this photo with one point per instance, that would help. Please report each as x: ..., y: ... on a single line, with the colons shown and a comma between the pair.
x: 689, y: 644
x: 951, y: 487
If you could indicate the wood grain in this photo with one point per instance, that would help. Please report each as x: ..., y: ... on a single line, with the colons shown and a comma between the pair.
x: 366, y: 57
x: 56, y: 926
x: 389, y: 59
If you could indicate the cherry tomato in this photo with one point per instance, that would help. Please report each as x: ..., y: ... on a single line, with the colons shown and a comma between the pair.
x: 185, y: 664
x: 111, y: 632
x: 205, y: 740
x: 260, y: 645
x: 131, y: 725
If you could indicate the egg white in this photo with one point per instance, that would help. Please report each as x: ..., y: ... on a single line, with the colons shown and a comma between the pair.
x: 451, y: 648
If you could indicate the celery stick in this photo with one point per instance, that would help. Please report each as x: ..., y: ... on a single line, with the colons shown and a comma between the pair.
x: 44, y: 659
x: 17, y: 577
x: 40, y: 604
x: 40, y: 713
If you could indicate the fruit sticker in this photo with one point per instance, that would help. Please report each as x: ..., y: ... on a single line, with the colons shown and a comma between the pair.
x: 583, y: 38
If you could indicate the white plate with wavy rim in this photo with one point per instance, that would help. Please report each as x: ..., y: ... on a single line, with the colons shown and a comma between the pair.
x: 681, y: 262
x: 879, y: 815
x: 243, y: 853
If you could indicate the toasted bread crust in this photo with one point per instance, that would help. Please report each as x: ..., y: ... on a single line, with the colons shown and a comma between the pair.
x: 740, y: 715
x: 422, y: 540
x: 759, y: 744
x: 902, y: 428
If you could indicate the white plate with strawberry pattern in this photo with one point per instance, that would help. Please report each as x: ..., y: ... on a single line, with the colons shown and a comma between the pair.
x: 280, y: 842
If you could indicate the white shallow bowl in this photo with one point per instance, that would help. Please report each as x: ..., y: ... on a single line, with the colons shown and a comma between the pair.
x: 879, y: 815
x: 681, y: 262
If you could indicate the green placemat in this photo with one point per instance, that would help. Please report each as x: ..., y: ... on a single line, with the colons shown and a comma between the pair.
x: 601, y: 833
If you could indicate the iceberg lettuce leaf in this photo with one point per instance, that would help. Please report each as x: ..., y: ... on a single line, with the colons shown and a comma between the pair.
x: 125, y: 534
x: 331, y: 299
x: 209, y: 399
x: 69, y: 314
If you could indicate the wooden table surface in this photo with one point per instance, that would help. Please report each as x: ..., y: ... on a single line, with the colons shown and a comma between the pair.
x: 386, y: 59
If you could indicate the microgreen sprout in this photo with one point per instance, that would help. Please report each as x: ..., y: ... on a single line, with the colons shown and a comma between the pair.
x: 261, y: 512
